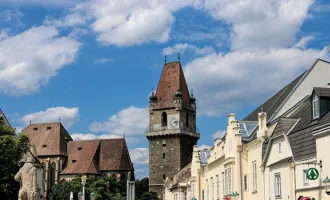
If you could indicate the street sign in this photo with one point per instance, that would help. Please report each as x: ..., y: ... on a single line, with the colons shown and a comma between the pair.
x: 312, y: 174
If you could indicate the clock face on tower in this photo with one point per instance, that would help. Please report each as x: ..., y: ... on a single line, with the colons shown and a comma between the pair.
x: 174, y: 123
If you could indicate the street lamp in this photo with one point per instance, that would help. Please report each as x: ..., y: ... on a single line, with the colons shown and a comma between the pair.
x: 80, y: 196
x: 326, y: 183
x: 92, y: 195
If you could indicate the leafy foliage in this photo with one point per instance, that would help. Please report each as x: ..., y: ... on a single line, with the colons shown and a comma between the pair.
x: 12, y: 148
x: 141, y: 187
x: 149, y: 196
x: 105, y: 188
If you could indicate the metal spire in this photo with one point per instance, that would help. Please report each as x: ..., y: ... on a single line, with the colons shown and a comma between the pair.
x: 179, y: 56
x: 165, y: 59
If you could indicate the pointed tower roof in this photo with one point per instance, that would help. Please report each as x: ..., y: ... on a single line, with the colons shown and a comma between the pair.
x: 171, y: 80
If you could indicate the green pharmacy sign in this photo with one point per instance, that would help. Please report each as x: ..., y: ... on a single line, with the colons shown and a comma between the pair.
x: 312, y: 174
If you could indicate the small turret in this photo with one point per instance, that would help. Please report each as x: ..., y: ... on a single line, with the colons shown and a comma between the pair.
x: 178, y: 94
x: 152, y: 97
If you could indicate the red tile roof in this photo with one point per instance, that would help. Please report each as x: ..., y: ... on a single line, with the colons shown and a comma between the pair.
x: 171, y: 80
x: 48, y: 138
x: 82, y: 157
x: 96, y: 156
x: 114, y: 155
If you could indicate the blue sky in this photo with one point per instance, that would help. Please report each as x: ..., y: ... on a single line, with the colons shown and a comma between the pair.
x: 94, y: 63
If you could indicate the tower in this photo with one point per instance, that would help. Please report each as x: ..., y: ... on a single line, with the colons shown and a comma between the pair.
x: 172, y: 126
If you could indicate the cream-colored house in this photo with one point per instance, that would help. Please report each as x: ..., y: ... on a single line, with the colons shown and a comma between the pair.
x: 266, y: 154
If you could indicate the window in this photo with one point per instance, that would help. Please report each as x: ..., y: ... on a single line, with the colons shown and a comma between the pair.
x: 52, y: 174
x: 279, y: 147
x: 228, y: 180
x: 278, y: 185
x: 223, y: 183
x: 164, y: 177
x: 44, y: 146
x: 48, y: 127
x: 35, y: 128
x: 79, y: 148
x: 212, y: 184
x: 187, y: 120
x: 305, y: 177
x: 245, y: 181
x: 164, y: 119
x: 316, y: 107
x: 73, y: 161
x: 207, y: 189
x: 254, y: 172
x: 218, y: 187
x: 203, y: 195
x: 163, y: 155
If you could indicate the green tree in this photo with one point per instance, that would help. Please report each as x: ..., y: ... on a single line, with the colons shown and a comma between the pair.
x: 12, y: 148
x: 141, y: 187
x: 149, y: 196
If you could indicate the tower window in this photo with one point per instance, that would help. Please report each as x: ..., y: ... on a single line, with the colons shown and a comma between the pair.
x: 164, y: 177
x: 187, y: 120
x: 163, y: 155
x: 164, y: 119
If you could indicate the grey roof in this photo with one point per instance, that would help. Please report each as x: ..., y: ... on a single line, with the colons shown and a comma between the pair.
x: 5, y: 119
x: 283, y: 126
x: 301, y: 138
x: 322, y: 92
x: 272, y: 104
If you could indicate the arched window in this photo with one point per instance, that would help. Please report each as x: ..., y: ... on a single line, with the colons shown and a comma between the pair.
x: 52, y: 171
x: 164, y: 119
x: 187, y: 120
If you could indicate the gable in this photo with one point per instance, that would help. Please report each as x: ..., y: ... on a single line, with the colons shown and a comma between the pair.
x: 274, y: 154
x: 317, y: 76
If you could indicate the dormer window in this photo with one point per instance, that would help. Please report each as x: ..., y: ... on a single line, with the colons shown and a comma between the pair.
x: 316, y: 107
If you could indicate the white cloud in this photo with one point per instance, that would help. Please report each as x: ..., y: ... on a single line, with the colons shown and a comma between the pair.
x: 3, y: 34
x: 183, y: 47
x: 48, y: 3
x: 90, y: 136
x: 11, y: 15
x: 125, y: 23
x: 131, y: 121
x: 140, y: 156
x: 259, y: 23
x: 303, y: 42
x: 68, y: 116
x: 223, y: 82
x: 140, y: 159
x: 204, y: 146
x: 218, y: 134
x: 103, y: 61
x: 29, y: 59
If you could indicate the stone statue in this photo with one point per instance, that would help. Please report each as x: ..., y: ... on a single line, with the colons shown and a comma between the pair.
x: 28, y: 177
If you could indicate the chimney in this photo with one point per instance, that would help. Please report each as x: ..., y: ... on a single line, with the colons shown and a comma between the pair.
x: 262, y: 132
x: 231, y: 117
